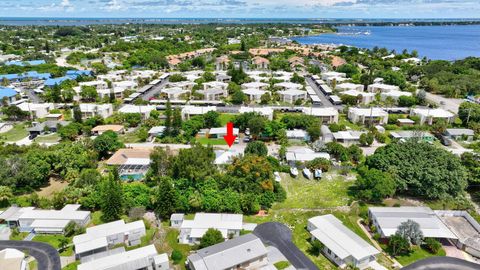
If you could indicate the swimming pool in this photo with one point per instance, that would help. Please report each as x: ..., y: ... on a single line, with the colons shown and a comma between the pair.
x: 132, y: 177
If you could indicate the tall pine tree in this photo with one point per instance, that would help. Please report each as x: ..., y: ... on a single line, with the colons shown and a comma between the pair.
x: 168, y: 119
x: 111, y: 197
x: 177, y: 122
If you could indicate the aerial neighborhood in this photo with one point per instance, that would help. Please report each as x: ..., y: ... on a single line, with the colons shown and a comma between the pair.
x: 223, y: 146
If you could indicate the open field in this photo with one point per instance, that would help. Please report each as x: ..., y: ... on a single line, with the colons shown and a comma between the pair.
x: 17, y: 133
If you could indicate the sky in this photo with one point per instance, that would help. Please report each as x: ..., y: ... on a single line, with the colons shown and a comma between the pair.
x: 242, y: 8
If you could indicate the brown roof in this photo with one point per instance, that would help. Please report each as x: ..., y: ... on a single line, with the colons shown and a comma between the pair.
x: 116, y: 128
x: 223, y: 59
x: 338, y: 61
x: 122, y: 155
x: 257, y: 60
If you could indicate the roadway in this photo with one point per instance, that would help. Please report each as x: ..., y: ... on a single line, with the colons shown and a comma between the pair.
x: 46, y: 256
x: 449, y: 104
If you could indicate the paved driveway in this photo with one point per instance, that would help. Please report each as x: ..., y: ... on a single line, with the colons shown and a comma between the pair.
x: 278, y: 235
x: 46, y: 256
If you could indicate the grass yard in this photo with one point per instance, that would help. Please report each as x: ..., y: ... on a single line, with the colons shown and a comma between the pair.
x: 207, y: 141
x: 343, y: 120
x: 54, y: 241
x: 20, y: 236
x: 33, y: 265
x: 225, y: 118
x: 145, y: 240
x: 72, y: 266
x: 417, y: 253
x: 311, y: 194
x: 130, y: 137
x: 170, y: 243
x: 49, y: 138
x: 17, y: 133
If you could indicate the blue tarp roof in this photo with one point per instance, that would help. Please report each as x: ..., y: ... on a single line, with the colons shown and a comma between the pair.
x: 7, y: 92
x: 79, y: 73
x: 52, y: 82
x: 25, y: 63
x: 30, y: 74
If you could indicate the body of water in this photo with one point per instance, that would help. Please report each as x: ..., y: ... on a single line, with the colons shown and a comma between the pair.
x: 435, y: 42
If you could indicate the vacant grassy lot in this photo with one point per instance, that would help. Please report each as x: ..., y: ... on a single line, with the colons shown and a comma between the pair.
x: 206, y: 141
x: 17, y: 133
x: 54, y: 241
x: 49, y: 138
x: 169, y: 243
x: 312, y: 194
x: 226, y: 117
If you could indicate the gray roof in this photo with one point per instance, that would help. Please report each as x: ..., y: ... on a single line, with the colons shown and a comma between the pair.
x: 459, y: 132
x: 50, y: 124
x: 407, y: 134
x: 228, y: 254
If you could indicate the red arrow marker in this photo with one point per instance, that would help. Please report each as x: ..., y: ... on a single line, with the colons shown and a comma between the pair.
x: 229, y: 138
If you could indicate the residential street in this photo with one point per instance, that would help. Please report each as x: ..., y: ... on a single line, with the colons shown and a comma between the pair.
x: 449, y: 104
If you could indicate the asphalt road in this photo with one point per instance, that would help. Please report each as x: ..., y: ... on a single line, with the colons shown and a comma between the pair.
x: 278, y: 235
x: 442, y: 263
x: 324, y: 99
x: 449, y: 104
x: 46, y: 256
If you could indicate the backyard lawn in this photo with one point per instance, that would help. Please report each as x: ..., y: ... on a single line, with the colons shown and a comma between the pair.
x: 206, y: 141
x: 225, y: 118
x: 17, y: 133
x: 54, y: 241
x: 170, y: 243
x: 311, y: 194
x: 417, y: 253
x: 49, y: 138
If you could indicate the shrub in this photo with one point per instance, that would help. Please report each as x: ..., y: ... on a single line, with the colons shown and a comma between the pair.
x: 176, y: 256
x: 432, y: 245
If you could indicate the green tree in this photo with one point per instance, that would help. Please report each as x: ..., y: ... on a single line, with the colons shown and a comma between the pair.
x: 314, y: 132
x: 432, y: 245
x: 410, y: 230
x: 211, y: 119
x: 210, y: 238
x: 398, y: 245
x: 374, y: 185
x: 111, y: 197
x: 89, y: 93
x: 6, y: 195
x: 256, y: 148
x: 168, y: 119
x: 106, y: 143
x: 256, y: 126
x: 238, y: 97
x: 166, y: 199
x: 77, y: 114
x: 319, y: 163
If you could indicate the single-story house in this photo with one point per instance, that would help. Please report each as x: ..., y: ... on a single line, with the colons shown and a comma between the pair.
x: 175, y: 93
x: 144, y: 110
x: 8, y: 94
x: 36, y: 110
x: 303, y: 155
x: 264, y: 111
x: 405, y: 122
x: 219, y: 132
x: 254, y: 94
x: 328, y: 115
x: 460, y: 134
x: 382, y: 88
x: 189, y: 110
x: 100, y: 129
x: 90, y: 110
x: 102, y: 237
x: 255, y: 85
x: 288, y: 85
x: 387, y: 219
x: 347, y: 137
x: 47, y: 126
x: 132, y: 163
x: 176, y: 220
x: 223, y: 157
x: 298, y: 134
x: 331, y: 75
x: 292, y: 95
x: 366, y: 97
x: 341, y: 245
x: 140, y: 258
x: 412, y: 134
x: 156, y: 131
x: 349, y: 86
x: 215, y: 85
x: 368, y: 115
x: 213, y: 93
x: 13, y: 259
x: 191, y: 231
x: 429, y: 116
x: 29, y: 219
x: 394, y: 94
x: 246, y: 252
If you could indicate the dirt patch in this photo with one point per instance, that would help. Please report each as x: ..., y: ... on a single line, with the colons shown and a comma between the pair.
x: 54, y: 185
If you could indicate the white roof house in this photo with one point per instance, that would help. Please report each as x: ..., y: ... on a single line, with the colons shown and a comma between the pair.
x: 91, y: 109
x: 144, y: 110
x: 394, y: 94
x: 223, y: 157
x: 99, y: 84
x: 289, y: 85
x: 188, y: 111
x: 253, y: 93
x: 174, y: 93
x: 381, y: 88
x: 328, y: 76
x: 213, y: 93
x: 185, y: 85
x: 303, y: 155
x: 429, y: 116
x: 215, y: 85
x: 156, y: 131
x: 387, y: 220
x: 37, y: 110
x: 98, y: 238
x: 12, y: 259
x: 292, y: 95
x: 45, y: 221
x: 221, y: 131
x: 125, y: 84
x: 247, y: 250
x: 140, y: 258
x: 255, y: 85
x: 298, y: 134
x: 349, y: 86
x: 346, y: 246
x: 328, y: 114
x: 265, y: 111
x: 192, y: 230
x: 368, y: 115
x: 347, y: 137
x: 366, y: 97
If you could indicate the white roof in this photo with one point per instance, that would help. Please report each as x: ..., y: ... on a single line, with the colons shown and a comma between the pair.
x: 292, y: 92
x: 174, y: 90
x: 225, y: 157
x: 216, y: 84
x: 67, y: 213
x: 214, y: 220
x: 222, y: 130
x: 296, y: 133
x: 266, y: 111
x: 348, y: 86
x: 440, y: 113
x: 253, y: 91
x: 384, y: 87
x: 136, y: 109
x: 374, y: 112
x: 289, y: 85
x: 181, y: 84
x: 389, y: 218
x: 156, y: 129
x: 140, y: 257
x: 26, y: 106
x: 405, y: 121
x: 302, y: 157
x: 91, y: 245
x: 197, y: 109
x: 328, y: 111
x: 356, y: 93
x: 50, y: 224
x: 339, y: 239
x: 333, y: 74
x: 137, y: 161
x: 254, y: 85
x: 92, y: 107
x: 396, y: 93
